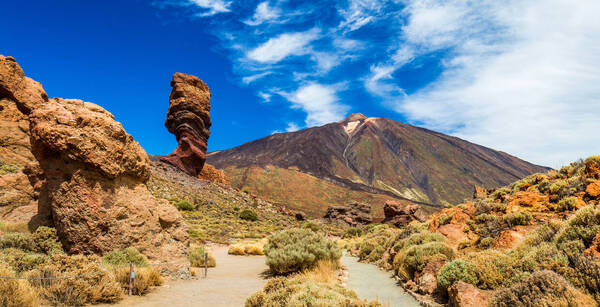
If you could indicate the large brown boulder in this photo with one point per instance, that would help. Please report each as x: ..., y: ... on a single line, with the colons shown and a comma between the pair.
x: 18, y: 96
x: 401, y: 213
x: 463, y: 294
x: 353, y: 214
x: 94, y: 186
x: 189, y: 119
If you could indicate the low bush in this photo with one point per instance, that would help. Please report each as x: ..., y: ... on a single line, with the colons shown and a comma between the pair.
x: 236, y: 250
x: 352, y: 232
x: 21, y: 261
x: 316, y: 287
x: 492, y: 268
x: 312, y: 226
x: 298, y: 249
x: 584, y: 225
x: 566, y: 204
x: 455, y: 271
x: 125, y: 257
x: 414, y: 258
x: 15, y: 292
x: 484, y: 218
x: 518, y: 218
x: 543, y: 288
x: 93, y: 283
x: 486, y: 242
x: 42, y: 240
x: 542, y: 256
x: 197, y: 257
x: 185, y: 205
x: 248, y: 215
x: 13, y: 227
x: 145, y: 279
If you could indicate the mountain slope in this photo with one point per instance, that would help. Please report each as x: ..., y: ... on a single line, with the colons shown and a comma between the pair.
x: 381, y: 156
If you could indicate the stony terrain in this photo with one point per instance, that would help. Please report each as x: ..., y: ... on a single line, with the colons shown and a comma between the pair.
x: 371, y: 156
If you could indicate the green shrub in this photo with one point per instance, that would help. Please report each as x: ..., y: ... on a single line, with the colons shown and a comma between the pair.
x: 455, y: 271
x: 17, y: 240
x: 248, y: 215
x: 567, y: 203
x: 246, y: 190
x: 197, y: 258
x: 298, y: 249
x: 484, y: 218
x: 492, y: 268
x: 543, y: 288
x: 446, y: 219
x: 45, y: 240
x: 8, y: 168
x: 311, y: 226
x: 418, y: 239
x: 352, y: 232
x: 542, y: 256
x: 21, y: 261
x: 125, y: 256
x: 486, y: 242
x: 518, y: 218
x: 584, y: 225
x: 194, y: 233
x: 414, y: 258
x: 185, y: 205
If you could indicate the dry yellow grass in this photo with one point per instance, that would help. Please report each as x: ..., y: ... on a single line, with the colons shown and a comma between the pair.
x: 17, y: 293
x: 248, y: 248
x: 145, y: 279
x: 13, y: 227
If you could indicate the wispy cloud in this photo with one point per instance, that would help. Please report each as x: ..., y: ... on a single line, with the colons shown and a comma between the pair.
x: 211, y: 7
x: 287, y: 44
x: 252, y: 78
x: 319, y: 102
x: 264, y: 13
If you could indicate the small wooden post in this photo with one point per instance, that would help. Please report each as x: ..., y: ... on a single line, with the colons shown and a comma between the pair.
x: 205, y: 263
x: 130, y: 277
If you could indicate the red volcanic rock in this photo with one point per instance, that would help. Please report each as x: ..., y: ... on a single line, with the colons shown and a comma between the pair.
x: 401, y: 213
x: 352, y: 214
x: 463, y: 294
x: 189, y: 119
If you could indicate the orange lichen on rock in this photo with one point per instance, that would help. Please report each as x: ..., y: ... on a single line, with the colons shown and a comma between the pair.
x: 510, y: 237
x: 211, y: 173
x: 594, y: 249
x: 592, y: 167
x: 593, y: 189
x: 528, y: 201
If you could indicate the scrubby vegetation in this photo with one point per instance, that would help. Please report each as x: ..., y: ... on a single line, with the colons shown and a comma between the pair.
x: 53, y: 278
x: 534, y: 243
x: 247, y: 248
x: 248, y: 215
x: 315, y: 287
x: 295, y: 250
x: 198, y: 255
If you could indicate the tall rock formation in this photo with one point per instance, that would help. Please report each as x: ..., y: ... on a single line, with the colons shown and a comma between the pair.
x: 189, y: 119
x: 95, y: 176
x: 18, y: 96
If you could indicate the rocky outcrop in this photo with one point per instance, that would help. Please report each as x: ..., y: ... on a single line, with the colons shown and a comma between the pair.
x: 463, y: 294
x: 18, y: 96
x: 94, y: 186
x: 189, y: 119
x: 401, y: 213
x: 353, y: 214
x: 210, y: 173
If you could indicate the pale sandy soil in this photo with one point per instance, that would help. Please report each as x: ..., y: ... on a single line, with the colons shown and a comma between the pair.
x: 227, y: 285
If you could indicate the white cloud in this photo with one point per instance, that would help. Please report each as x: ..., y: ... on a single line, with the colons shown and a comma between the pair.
x: 291, y: 127
x: 213, y: 7
x: 252, y: 78
x: 520, y: 76
x: 284, y: 45
x: 266, y: 97
x: 358, y: 13
x: 319, y: 102
x: 263, y: 13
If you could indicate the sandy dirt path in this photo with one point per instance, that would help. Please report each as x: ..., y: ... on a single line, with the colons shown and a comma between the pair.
x: 227, y: 285
x: 371, y: 283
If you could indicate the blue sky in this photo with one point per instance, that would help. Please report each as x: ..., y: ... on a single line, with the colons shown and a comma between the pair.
x: 516, y: 75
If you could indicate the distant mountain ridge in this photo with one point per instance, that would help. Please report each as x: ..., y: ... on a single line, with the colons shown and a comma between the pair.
x: 378, y: 156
